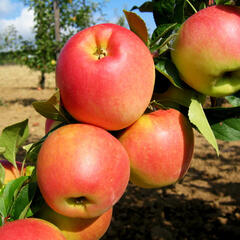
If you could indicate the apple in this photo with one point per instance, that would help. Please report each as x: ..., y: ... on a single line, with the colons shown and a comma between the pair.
x: 78, y: 228
x: 82, y: 170
x: 50, y: 124
x: 206, y: 51
x: 160, y: 147
x: 11, y: 172
x: 106, y: 76
x: 30, y: 229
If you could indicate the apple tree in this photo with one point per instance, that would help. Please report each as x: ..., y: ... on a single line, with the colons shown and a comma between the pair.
x: 22, y: 198
x: 55, y: 22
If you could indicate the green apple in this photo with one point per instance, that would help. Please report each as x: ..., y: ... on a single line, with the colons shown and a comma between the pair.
x: 30, y: 229
x: 206, y: 51
x: 78, y: 228
x: 160, y: 147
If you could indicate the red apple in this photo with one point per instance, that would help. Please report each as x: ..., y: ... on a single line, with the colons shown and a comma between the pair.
x: 11, y: 172
x: 78, y: 228
x: 206, y: 51
x: 82, y: 170
x: 106, y: 76
x: 160, y: 147
x: 30, y: 229
x: 50, y: 124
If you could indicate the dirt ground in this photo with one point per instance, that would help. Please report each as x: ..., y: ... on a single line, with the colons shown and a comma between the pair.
x: 204, y: 205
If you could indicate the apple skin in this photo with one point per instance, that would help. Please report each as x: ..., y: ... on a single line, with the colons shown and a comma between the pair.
x: 160, y: 147
x: 30, y: 229
x: 11, y: 173
x: 82, y: 170
x: 50, y: 124
x: 109, y: 91
x: 206, y: 51
x: 78, y: 228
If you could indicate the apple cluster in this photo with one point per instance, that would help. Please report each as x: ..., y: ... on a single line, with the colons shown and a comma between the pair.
x: 106, y: 76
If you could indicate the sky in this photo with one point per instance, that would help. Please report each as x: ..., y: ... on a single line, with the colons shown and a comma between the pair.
x: 13, y: 12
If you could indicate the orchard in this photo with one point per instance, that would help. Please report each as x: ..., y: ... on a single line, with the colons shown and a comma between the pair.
x: 125, y: 111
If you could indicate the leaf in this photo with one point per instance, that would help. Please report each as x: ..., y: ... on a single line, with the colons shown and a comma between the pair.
x: 2, y: 150
x: 217, y: 115
x: 181, y: 96
x: 179, y: 11
x: 228, y: 130
x: 221, y: 2
x: 170, y: 11
x: 23, y: 201
x: 2, y: 175
x: 145, y: 7
x: 137, y: 25
x: 163, y: 30
x: 168, y: 69
x: 198, y: 118
x: 51, y: 108
x: 225, y: 122
x: 234, y: 99
x: 13, y: 137
x: 9, y: 193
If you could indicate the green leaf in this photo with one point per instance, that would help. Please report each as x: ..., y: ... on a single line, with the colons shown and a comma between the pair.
x: 228, y: 130
x: 217, y: 115
x: 234, y: 99
x: 9, y: 194
x: 179, y: 11
x: 23, y: 201
x: 2, y: 149
x: 221, y: 2
x: 12, y: 138
x: 2, y: 175
x: 137, y: 25
x: 225, y: 122
x: 168, y: 69
x: 162, y: 32
x: 182, y: 96
x: 51, y: 108
x: 145, y: 7
x: 198, y: 118
x: 170, y: 11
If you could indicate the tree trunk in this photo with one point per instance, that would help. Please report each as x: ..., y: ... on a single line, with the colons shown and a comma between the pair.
x: 57, y: 23
x: 42, y: 80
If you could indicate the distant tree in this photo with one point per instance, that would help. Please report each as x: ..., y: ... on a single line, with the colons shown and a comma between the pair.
x: 55, y: 22
x: 10, y: 39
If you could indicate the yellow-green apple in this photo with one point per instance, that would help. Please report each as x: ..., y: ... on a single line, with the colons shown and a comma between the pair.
x: 11, y: 172
x: 106, y: 76
x: 82, y: 170
x: 30, y: 229
x: 160, y: 147
x: 206, y: 50
x: 50, y: 124
x: 78, y: 228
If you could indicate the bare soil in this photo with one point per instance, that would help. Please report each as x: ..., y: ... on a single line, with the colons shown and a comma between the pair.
x: 204, y: 205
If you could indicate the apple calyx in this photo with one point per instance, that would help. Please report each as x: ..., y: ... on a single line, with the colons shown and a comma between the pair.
x: 222, y: 83
x: 76, y: 201
x: 100, y: 53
